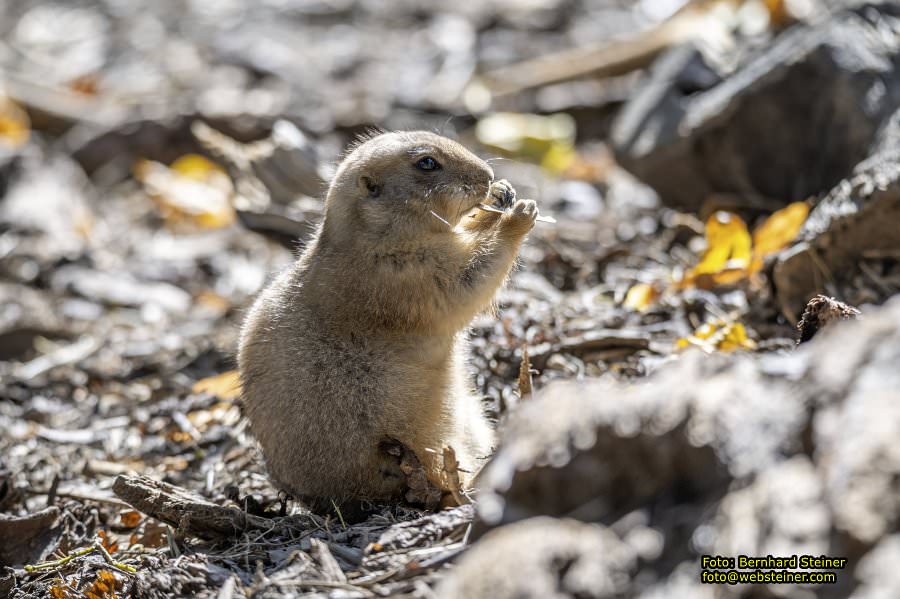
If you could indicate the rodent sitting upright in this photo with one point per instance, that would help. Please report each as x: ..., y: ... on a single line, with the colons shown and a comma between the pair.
x: 361, y: 341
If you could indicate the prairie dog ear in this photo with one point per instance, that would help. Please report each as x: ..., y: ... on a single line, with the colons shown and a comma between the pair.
x: 369, y: 186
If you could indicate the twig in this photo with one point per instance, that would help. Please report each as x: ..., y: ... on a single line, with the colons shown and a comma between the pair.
x: 617, y: 57
x: 451, y: 469
x: 96, y: 547
x: 440, y: 218
x: 339, y: 514
x: 526, y: 390
x: 68, y: 354
x: 80, y: 497
x: 489, y: 208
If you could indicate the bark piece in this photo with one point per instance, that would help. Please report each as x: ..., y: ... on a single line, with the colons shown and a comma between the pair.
x: 188, y: 513
x: 28, y: 539
x: 820, y: 311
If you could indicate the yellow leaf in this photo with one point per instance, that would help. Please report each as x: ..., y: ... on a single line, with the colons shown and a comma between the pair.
x: 728, y: 244
x: 15, y: 126
x: 641, y: 296
x: 192, y: 190
x: 727, y: 255
x: 224, y: 386
x: 719, y: 335
x: 780, y: 229
x: 547, y: 140
x: 196, y: 167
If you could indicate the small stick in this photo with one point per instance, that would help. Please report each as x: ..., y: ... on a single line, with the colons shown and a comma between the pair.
x: 451, y: 469
x: 112, y: 562
x: 97, y: 546
x: 526, y: 389
x: 488, y: 208
x: 339, y: 514
x: 440, y: 218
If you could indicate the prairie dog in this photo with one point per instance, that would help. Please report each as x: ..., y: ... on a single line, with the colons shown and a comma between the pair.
x: 362, y: 340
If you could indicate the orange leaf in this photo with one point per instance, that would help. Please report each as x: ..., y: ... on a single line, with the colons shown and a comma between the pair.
x: 109, y: 544
x: 59, y: 592
x: 104, y: 586
x: 130, y: 518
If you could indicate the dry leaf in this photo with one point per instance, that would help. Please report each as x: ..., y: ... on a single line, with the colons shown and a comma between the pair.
x: 130, y: 518
x: 641, y: 296
x: 59, y: 591
x: 196, y: 167
x: 153, y: 534
x: 733, y: 255
x: 193, y: 190
x: 225, y: 413
x: 225, y: 386
x: 109, y: 544
x: 15, y: 126
x: 728, y: 253
x: 88, y: 84
x: 104, y: 587
x: 779, y: 230
x: 547, y: 140
x: 720, y: 335
x: 728, y: 244
x: 214, y: 302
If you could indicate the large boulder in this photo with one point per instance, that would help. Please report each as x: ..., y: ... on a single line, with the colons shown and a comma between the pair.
x: 788, y: 124
x: 785, y: 453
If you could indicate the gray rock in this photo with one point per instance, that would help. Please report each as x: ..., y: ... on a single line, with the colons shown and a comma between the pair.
x: 780, y: 454
x: 878, y: 573
x: 554, y: 559
x: 788, y: 124
x: 860, y: 215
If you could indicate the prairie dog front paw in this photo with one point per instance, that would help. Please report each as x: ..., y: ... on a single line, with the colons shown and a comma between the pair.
x: 502, y: 193
x: 521, y: 218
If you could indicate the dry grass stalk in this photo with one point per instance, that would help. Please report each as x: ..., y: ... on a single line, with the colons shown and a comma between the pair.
x: 451, y: 474
x: 526, y: 391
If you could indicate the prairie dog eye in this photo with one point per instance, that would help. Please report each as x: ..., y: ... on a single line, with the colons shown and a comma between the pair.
x: 427, y: 164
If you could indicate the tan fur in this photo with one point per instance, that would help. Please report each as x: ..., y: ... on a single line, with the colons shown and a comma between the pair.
x: 362, y: 340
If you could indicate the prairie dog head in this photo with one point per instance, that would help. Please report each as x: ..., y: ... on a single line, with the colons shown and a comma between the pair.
x: 397, y: 182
